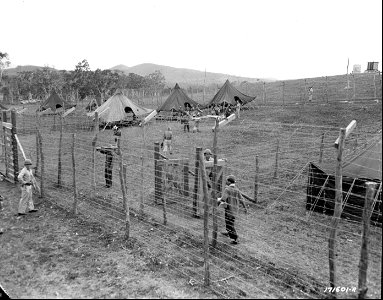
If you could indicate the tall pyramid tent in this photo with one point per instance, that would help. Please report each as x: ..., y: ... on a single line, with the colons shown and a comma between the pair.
x: 364, y: 166
x: 227, y: 93
x: 177, y: 100
x: 54, y: 102
x: 118, y: 107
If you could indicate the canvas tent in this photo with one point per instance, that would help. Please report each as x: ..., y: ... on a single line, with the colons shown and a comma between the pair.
x: 177, y: 101
x: 226, y: 96
x: 54, y: 103
x: 119, y: 108
x: 365, y: 165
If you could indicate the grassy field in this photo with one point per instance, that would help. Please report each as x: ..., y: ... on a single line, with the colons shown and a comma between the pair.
x: 283, y: 248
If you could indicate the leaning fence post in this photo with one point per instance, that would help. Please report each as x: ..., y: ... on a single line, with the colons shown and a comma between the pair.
x: 42, y: 164
x: 196, y: 182
x: 59, y: 158
x: 363, y: 263
x: 205, y: 219
x: 321, y: 148
x: 256, y: 179
x: 337, y: 211
x: 74, y: 176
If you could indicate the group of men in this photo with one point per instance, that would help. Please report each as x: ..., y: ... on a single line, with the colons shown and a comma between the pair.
x: 230, y: 200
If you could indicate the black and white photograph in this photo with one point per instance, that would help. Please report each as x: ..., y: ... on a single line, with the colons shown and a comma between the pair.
x: 205, y: 149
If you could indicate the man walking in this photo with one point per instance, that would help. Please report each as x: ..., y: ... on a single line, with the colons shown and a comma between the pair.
x: 27, y: 180
x: 109, y: 153
x: 230, y: 200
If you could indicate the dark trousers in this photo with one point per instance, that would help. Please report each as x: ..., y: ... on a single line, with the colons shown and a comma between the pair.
x: 108, y: 175
x: 229, y: 220
x: 186, y: 126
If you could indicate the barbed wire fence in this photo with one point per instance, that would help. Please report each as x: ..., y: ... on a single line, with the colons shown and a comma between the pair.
x: 283, y: 248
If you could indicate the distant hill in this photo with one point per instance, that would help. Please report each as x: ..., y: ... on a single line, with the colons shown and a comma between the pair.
x: 18, y: 69
x: 185, y: 76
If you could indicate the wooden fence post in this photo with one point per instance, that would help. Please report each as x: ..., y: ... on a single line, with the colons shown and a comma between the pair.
x: 157, y: 174
x: 37, y: 155
x: 42, y: 164
x: 142, y: 172
x: 165, y: 170
x: 186, y: 177
x: 196, y: 182
x: 205, y: 219
x: 337, y: 211
x: 59, y: 170
x: 214, y: 184
x: 276, y: 160
x: 264, y: 92
x: 321, y: 148
x: 96, y: 123
x: 94, y: 141
x: 256, y: 179
x: 123, y: 190
x: 363, y: 263
x: 14, y: 145
x: 283, y: 94
x: 353, y: 78
x: 326, y: 90
x: 74, y: 176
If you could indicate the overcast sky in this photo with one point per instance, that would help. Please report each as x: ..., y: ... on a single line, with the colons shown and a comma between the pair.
x: 283, y: 39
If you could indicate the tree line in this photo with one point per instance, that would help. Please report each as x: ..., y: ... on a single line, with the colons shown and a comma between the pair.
x: 74, y: 85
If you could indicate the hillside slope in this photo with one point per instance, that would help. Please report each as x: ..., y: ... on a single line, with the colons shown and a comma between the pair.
x: 185, y: 76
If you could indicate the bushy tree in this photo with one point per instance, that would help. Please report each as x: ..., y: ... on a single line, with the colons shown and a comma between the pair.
x: 4, y: 63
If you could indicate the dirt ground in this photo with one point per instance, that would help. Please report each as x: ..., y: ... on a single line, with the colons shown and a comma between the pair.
x: 280, y: 255
x: 53, y: 254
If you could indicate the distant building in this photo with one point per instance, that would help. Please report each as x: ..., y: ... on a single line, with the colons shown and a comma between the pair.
x: 372, y: 67
x: 356, y: 69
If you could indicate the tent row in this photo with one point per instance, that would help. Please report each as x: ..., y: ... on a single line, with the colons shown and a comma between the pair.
x: 120, y: 108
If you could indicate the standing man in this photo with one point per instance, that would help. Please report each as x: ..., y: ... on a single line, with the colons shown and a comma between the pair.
x: 168, y: 135
x: 116, y: 133
x: 109, y: 153
x: 27, y: 180
x: 230, y: 200
x: 238, y: 105
x: 311, y: 92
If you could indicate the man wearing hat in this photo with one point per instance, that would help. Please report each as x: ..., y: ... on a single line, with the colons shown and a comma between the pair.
x: 116, y: 132
x: 27, y: 180
x: 231, y: 197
